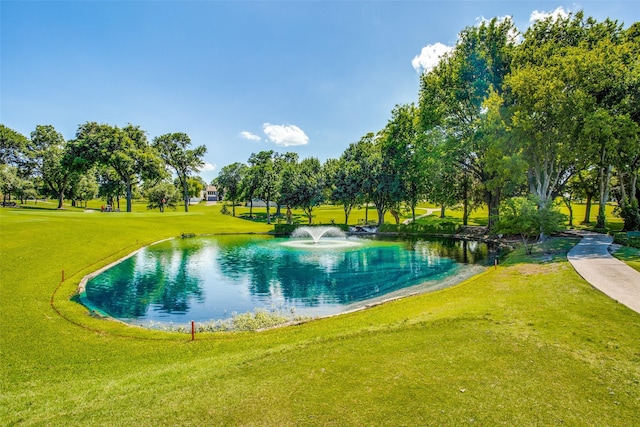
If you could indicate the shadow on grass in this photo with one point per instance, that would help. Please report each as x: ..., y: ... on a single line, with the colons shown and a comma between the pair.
x: 628, y: 253
x: 554, y: 249
x: 35, y: 207
x: 261, y: 217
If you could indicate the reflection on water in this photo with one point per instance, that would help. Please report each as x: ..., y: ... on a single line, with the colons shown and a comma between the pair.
x: 207, y: 279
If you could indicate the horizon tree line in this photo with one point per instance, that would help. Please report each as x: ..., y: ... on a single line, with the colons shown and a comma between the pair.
x: 102, y: 160
x: 550, y: 114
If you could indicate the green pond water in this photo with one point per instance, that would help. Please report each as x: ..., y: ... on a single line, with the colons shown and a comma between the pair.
x: 208, y: 278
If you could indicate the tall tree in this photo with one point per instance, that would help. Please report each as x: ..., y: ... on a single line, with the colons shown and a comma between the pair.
x: 229, y: 181
x: 13, y: 148
x: 453, y: 96
x: 344, y: 179
x: 83, y: 188
x: 53, y: 161
x: 172, y: 148
x: 303, y: 184
x: 572, y: 94
x: 264, y: 168
x: 375, y: 179
x: 8, y: 181
x: 126, y: 150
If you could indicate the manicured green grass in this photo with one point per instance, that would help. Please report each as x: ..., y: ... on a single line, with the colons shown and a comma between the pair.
x: 529, y: 343
x: 629, y: 255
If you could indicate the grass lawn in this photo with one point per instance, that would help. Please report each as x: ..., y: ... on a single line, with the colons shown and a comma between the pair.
x: 528, y: 343
x: 629, y: 255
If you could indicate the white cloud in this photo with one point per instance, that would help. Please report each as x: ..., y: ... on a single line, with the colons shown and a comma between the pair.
x: 430, y: 56
x: 208, y: 167
x: 250, y: 136
x: 536, y: 15
x: 285, y: 135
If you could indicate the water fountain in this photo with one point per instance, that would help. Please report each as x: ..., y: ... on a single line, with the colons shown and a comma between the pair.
x: 316, y: 233
x: 320, y: 237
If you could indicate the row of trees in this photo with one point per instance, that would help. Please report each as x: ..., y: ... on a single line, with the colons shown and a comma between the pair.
x: 556, y: 113
x: 551, y: 113
x: 102, y: 160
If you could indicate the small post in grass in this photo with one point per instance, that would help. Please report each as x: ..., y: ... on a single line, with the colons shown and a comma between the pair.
x: 62, y: 275
x: 495, y: 263
x: 193, y: 331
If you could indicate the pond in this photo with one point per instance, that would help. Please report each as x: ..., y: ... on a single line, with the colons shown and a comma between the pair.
x: 206, y: 279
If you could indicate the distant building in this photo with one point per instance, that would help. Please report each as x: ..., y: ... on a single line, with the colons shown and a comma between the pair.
x: 212, y: 194
x: 258, y: 203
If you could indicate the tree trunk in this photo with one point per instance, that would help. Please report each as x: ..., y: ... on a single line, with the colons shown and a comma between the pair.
x: 395, y: 215
x: 185, y: 193
x: 442, y: 209
x: 366, y: 213
x: 623, y: 190
x: 251, y: 209
x: 605, y: 179
x: 465, y: 201
x: 233, y: 208
x: 60, y: 199
x: 381, y: 212
x: 268, y: 212
x: 493, y: 202
x: 129, y: 196
x: 347, y: 211
x: 587, y: 213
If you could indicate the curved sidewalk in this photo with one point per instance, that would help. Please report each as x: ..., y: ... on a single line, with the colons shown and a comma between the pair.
x: 592, y: 260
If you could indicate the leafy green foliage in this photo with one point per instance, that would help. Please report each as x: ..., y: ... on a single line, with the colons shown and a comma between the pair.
x: 264, y: 178
x: 453, y: 98
x: 162, y: 195
x: 13, y: 147
x: 125, y: 150
x: 523, y: 216
x: 172, y: 148
x: 433, y: 226
x: 229, y: 182
x: 302, y: 185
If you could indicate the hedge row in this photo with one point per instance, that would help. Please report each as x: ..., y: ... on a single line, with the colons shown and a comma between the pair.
x: 624, y: 239
x: 443, y: 227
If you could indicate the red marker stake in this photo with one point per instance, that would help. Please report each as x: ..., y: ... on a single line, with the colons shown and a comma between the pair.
x: 193, y: 331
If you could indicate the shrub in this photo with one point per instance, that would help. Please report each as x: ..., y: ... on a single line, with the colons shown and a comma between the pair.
x: 631, y: 216
x: 439, y: 227
x: 624, y: 239
x: 523, y: 216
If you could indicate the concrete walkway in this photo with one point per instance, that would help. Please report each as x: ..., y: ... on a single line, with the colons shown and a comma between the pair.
x: 429, y: 212
x: 592, y: 260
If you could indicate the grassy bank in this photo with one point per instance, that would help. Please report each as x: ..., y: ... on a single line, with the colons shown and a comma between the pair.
x: 529, y: 343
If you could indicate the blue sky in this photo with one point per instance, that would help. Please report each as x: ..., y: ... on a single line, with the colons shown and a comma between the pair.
x: 239, y: 77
